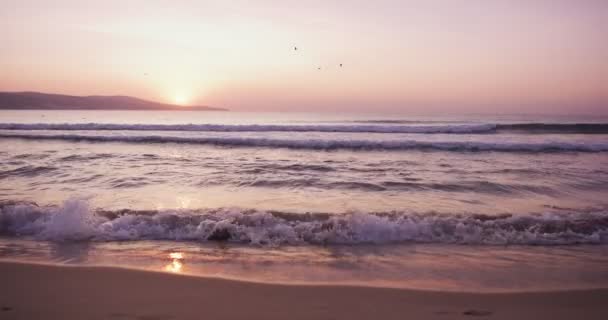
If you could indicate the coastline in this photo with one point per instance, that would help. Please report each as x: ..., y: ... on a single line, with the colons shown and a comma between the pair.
x: 34, y: 291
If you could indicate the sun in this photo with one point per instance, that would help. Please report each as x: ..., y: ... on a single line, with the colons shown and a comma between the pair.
x: 180, y: 99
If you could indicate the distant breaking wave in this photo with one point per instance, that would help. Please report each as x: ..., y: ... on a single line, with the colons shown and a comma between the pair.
x: 318, y: 144
x: 376, y: 127
x: 75, y: 221
x: 581, y: 128
x: 472, y: 128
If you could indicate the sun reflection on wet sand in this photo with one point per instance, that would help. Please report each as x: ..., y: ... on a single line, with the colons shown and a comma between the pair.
x: 177, y: 262
x: 176, y: 256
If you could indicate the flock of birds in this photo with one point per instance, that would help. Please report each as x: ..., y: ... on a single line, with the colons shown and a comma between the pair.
x: 295, y: 48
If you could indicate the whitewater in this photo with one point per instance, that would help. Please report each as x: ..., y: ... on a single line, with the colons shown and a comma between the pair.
x: 74, y: 220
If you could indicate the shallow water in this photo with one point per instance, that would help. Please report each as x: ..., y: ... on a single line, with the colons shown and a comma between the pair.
x: 483, y: 203
x: 413, y: 266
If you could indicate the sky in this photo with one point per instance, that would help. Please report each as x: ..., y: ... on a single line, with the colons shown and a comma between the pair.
x: 416, y: 56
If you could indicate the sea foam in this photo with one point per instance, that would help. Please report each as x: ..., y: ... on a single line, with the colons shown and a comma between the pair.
x: 371, y: 126
x: 463, y: 128
x: 331, y: 144
x: 74, y: 220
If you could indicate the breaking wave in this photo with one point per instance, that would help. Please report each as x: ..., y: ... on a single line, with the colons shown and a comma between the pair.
x: 370, y: 126
x: 469, y: 128
x: 326, y: 144
x: 581, y: 128
x: 75, y: 220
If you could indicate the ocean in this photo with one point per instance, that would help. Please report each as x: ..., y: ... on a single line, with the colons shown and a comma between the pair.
x: 473, y: 203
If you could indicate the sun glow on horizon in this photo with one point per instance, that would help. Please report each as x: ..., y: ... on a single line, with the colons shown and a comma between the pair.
x: 180, y: 99
x: 416, y: 56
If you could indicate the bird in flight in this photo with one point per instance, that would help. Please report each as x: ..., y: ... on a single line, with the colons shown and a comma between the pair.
x: 295, y: 48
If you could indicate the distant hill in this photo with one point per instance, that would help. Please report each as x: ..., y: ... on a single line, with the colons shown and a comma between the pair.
x: 45, y: 101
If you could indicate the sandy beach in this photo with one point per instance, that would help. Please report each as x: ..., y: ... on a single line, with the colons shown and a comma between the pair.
x: 31, y: 291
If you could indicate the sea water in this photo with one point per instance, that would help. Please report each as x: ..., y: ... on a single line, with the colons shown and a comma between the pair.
x: 474, y: 203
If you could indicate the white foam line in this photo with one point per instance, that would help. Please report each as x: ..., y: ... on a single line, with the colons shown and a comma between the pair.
x: 74, y: 220
x: 318, y: 144
x: 463, y: 129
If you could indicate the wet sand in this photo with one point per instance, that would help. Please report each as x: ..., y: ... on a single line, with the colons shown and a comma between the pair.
x: 29, y: 291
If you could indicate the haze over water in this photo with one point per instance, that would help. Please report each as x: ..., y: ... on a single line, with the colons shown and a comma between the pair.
x: 367, y: 198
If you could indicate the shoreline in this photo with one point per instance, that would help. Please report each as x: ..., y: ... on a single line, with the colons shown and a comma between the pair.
x: 382, y: 285
x: 34, y: 291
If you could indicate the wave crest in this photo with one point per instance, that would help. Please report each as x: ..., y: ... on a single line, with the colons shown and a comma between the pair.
x: 75, y: 221
x: 460, y: 128
x: 318, y: 144
x: 368, y: 126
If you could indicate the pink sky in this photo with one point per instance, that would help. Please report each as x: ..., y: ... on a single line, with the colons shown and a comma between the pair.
x: 538, y: 56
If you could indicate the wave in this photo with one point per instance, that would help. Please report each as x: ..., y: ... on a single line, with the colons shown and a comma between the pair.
x: 530, y: 127
x: 391, y: 126
x: 318, y: 144
x: 74, y: 220
x: 482, y: 187
x: 469, y: 128
x: 26, y: 171
x: 398, y: 121
x: 581, y: 128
